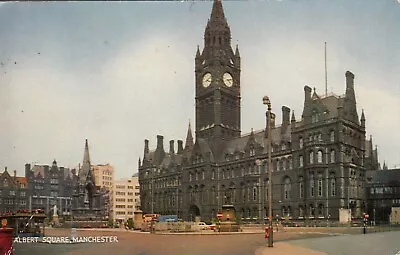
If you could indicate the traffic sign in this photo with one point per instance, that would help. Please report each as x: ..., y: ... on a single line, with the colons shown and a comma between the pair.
x: 366, y: 216
x: 219, y: 215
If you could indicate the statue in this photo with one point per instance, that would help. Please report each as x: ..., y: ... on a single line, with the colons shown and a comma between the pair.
x: 55, y: 210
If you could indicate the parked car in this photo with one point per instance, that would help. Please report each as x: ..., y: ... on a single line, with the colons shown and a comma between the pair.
x: 212, y: 227
x: 202, y: 226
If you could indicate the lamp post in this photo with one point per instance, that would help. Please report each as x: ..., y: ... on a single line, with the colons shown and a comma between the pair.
x: 267, y: 102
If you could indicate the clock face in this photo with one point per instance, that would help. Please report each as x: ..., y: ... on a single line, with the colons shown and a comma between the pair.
x: 207, y: 78
x: 228, y: 80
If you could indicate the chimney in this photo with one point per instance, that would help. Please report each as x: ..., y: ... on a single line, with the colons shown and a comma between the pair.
x: 171, y: 147
x: 15, y: 173
x: 285, y: 118
x: 307, y: 93
x: 180, y: 146
x: 146, y: 146
x: 160, y: 142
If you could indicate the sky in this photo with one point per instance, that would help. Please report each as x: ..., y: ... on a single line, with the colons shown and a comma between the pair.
x: 119, y: 73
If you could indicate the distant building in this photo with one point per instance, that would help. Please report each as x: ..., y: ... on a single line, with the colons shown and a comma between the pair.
x: 383, y: 193
x: 104, y: 175
x: 13, y: 192
x: 49, y: 186
x: 126, y: 199
x: 319, y: 159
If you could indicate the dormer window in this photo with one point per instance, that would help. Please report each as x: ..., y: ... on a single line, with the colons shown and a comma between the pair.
x: 5, y: 183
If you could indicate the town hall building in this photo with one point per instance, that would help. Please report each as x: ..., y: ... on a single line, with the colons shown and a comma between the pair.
x: 319, y: 159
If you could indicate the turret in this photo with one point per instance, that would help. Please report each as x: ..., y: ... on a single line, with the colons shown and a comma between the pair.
x: 362, y: 119
x: 293, y: 121
x: 285, y: 119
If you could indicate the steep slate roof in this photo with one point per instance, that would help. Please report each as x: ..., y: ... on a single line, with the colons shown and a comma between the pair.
x: 38, y: 170
x: 22, y: 180
x: 332, y: 102
x: 383, y: 176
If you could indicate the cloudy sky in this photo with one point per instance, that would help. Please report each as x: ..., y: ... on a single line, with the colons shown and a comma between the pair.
x: 118, y: 73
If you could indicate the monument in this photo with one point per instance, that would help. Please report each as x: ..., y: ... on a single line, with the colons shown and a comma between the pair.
x: 55, y: 218
x: 89, y: 202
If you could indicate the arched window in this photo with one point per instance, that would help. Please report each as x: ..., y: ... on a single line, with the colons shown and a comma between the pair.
x: 287, y: 188
x: 301, y: 142
x: 332, y: 158
x: 289, y: 163
x: 319, y: 156
x: 190, y: 176
x: 301, y: 187
x: 254, y: 193
x: 332, y: 136
x: 301, y: 162
x: 332, y: 179
x: 213, y: 174
x: 203, y: 175
x: 311, y: 157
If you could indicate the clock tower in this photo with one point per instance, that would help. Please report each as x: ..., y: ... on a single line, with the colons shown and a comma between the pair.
x: 217, y: 71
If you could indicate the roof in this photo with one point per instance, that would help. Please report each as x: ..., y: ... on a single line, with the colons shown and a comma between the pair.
x: 383, y: 176
x: 22, y: 180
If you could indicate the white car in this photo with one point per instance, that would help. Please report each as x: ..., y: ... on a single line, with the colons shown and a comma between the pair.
x: 202, y: 226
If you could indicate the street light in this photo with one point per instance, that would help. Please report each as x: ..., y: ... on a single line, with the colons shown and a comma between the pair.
x: 267, y: 102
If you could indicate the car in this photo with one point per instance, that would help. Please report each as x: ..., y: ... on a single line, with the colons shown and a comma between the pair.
x: 202, y: 226
x: 212, y: 227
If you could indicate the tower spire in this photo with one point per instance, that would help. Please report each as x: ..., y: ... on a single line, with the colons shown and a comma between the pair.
x: 189, y: 138
x: 86, y: 157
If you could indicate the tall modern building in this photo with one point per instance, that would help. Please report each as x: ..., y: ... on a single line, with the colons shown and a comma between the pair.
x: 104, y: 175
x: 126, y: 199
x: 319, y: 158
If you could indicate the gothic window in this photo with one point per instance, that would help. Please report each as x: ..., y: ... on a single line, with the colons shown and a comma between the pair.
x: 301, y: 142
x: 319, y: 156
x: 284, y: 164
x: 332, y: 136
x: 333, y: 184
x: 283, y: 146
x: 278, y: 165
x: 301, y: 162
x: 320, y: 185
x: 312, y: 210
x: 233, y: 173
x: 197, y: 176
x: 287, y: 188
x: 202, y: 175
x: 290, y: 163
x: 332, y: 157
x: 190, y: 176
x: 289, y: 211
x: 311, y: 157
x: 320, y: 137
x: 301, y: 187
x: 312, y: 185
x: 213, y: 174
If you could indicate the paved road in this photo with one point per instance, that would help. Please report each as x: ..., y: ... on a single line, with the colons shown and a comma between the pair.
x: 148, y: 244
x: 383, y: 243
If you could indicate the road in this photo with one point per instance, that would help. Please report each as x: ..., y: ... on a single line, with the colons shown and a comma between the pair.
x: 134, y: 243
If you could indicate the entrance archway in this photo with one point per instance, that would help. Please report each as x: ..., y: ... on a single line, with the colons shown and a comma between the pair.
x: 193, y: 212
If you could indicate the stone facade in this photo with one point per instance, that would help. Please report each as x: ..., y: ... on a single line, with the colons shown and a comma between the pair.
x: 319, y: 160
x: 49, y: 186
x: 13, y: 192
